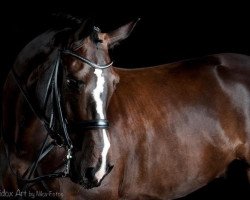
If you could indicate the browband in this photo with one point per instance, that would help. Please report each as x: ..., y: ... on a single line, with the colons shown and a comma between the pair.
x: 90, y: 63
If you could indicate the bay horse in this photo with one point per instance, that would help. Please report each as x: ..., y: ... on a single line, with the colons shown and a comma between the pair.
x: 76, y: 127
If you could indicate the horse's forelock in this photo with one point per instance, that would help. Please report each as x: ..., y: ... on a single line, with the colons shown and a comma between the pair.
x: 94, y: 34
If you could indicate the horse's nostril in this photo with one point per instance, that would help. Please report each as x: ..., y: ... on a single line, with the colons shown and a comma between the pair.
x: 89, y: 173
x: 109, y: 168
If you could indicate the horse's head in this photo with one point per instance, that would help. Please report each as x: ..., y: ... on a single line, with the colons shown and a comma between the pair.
x: 88, y: 84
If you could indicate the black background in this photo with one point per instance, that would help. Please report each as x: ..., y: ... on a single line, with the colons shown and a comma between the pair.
x: 167, y: 32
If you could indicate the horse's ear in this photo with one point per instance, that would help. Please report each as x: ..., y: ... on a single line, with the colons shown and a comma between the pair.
x: 84, y: 30
x: 114, y: 37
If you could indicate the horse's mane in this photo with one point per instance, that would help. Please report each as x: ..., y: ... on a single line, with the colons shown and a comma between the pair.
x: 59, y: 27
x: 61, y: 20
x: 38, y: 50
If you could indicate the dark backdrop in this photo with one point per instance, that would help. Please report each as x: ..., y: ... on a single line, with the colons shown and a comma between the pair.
x: 167, y: 32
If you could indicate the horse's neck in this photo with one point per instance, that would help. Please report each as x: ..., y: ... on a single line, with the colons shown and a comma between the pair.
x: 34, y: 54
x: 31, y: 61
x: 136, y: 101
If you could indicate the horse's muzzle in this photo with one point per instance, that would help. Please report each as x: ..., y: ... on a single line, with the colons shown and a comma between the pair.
x: 89, y: 181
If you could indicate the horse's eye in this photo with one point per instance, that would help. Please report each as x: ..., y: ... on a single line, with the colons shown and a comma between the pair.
x: 74, y: 84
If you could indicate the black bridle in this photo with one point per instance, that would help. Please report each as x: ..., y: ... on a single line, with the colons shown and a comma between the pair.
x: 57, y: 127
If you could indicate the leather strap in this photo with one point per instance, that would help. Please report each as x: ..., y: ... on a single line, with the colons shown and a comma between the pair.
x: 90, y: 63
x: 89, y: 125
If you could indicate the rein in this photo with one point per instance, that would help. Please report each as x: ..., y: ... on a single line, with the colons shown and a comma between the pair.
x: 60, y: 138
